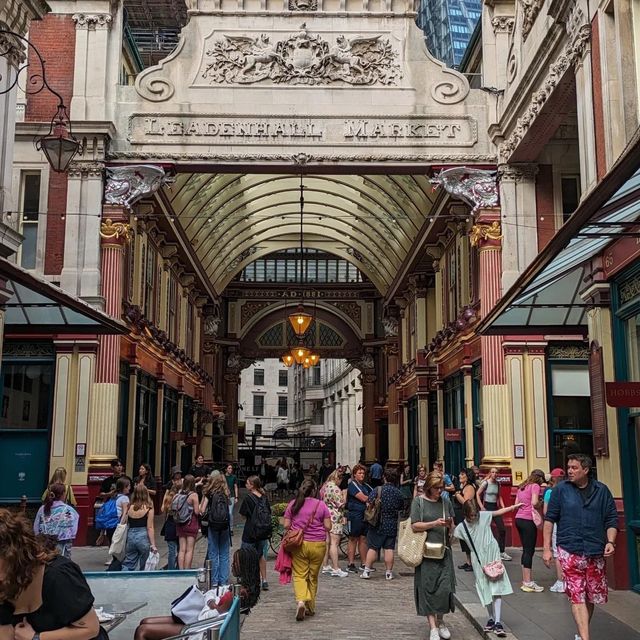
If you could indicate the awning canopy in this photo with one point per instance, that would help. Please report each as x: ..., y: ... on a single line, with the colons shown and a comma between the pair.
x: 545, y: 299
x: 37, y: 306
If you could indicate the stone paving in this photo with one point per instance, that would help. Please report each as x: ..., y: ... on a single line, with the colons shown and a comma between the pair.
x: 348, y: 609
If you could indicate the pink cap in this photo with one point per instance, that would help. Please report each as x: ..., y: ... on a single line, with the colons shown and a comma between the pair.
x: 557, y: 473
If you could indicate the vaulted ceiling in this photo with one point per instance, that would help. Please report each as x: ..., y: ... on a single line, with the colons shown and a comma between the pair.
x: 233, y: 219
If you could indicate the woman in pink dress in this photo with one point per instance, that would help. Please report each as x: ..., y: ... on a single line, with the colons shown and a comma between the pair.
x: 187, y: 531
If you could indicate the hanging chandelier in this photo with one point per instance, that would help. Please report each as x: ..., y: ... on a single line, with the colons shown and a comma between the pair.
x: 300, y: 320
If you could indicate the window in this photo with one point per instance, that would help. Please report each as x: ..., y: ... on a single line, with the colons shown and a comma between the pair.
x: 150, y: 293
x: 283, y: 402
x: 570, y: 188
x: 258, y: 405
x: 257, y: 430
x: 283, y: 378
x: 315, y: 375
x: 172, y: 310
x: 26, y: 395
x: 189, y: 330
x: 29, y: 219
x: 258, y: 377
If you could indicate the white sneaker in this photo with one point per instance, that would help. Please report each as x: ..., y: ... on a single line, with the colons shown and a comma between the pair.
x: 389, y: 575
x: 339, y: 573
x: 505, y: 556
x: 365, y: 575
x: 577, y: 637
x: 531, y: 587
x: 327, y: 569
x: 434, y: 634
x: 557, y: 587
x: 443, y: 631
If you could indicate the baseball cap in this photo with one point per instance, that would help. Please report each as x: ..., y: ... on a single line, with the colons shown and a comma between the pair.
x: 176, y: 470
x: 557, y: 473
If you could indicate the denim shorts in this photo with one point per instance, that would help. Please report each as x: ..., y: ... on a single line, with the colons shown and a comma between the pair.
x: 261, y: 547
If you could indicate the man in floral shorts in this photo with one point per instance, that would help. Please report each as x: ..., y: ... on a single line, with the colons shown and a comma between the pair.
x: 585, y: 514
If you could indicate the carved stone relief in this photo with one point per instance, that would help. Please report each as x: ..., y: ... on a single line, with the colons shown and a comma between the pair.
x: 303, y: 5
x: 502, y: 24
x: 568, y: 352
x: 249, y: 309
x: 12, y: 49
x: 92, y: 20
x: 351, y: 310
x: 530, y: 11
x: 390, y: 327
x: 477, y: 187
x: 302, y: 58
x: 126, y: 185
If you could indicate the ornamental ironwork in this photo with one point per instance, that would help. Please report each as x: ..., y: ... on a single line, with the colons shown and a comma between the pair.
x: 477, y: 187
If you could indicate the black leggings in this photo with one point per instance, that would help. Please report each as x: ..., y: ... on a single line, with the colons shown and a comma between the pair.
x: 499, y: 522
x: 528, y: 533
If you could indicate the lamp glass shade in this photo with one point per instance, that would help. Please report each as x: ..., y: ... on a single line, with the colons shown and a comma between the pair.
x: 59, y: 149
x: 300, y: 321
x: 299, y: 354
x: 314, y: 358
x: 306, y: 363
x: 288, y: 360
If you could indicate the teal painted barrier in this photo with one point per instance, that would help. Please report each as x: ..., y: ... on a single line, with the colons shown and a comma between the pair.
x: 230, y: 629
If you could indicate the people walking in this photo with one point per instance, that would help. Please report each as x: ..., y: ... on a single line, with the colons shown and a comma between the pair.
x: 357, y: 495
x: 529, y: 496
x: 312, y: 515
x: 556, y: 476
x: 489, y: 499
x: 375, y: 474
x: 186, y: 507
x: 257, y: 529
x: 335, y: 499
x: 467, y: 491
x: 140, y: 534
x: 585, y: 513
x: 475, y: 529
x: 199, y: 469
x: 406, y: 486
x: 60, y: 476
x: 419, y: 480
x: 282, y: 478
x: 434, y: 578
x: 169, y: 530
x: 383, y: 536
x: 215, y: 504
x: 145, y: 477
x: 232, y: 485
x: 57, y: 520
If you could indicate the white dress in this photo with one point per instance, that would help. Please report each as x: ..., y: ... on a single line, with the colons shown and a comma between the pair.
x: 488, y: 550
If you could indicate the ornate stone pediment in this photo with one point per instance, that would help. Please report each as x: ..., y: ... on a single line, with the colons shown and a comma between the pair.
x: 302, y: 58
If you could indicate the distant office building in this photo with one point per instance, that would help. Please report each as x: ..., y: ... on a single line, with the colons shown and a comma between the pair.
x: 447, y: 27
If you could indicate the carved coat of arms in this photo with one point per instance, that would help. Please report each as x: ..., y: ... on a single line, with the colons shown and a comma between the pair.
x: 303, y: 58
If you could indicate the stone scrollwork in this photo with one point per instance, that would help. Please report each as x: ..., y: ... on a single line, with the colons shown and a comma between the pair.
x: 302, y: 58
x: 92, y: 20
x: 452, y: 90
x: 571, y: 56
x: 110, y: 230
x: 303, y: 5
x: 502, y: 24
x: 126, y: 185
x: 477, y: 187
x: 530, y: 11
x: 485, y: 232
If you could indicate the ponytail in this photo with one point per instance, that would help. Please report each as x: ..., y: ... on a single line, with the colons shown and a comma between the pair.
x: 56, y: 491
x: 308, y: 489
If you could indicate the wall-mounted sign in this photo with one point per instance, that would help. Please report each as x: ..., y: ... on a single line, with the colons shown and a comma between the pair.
x: 518, y: 451
x: 453, y: 435
x: 623, y: 394
x: 81, y: 448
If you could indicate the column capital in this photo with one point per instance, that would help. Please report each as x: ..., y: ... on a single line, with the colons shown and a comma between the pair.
x: 517, y: 172
x: 115, y: 232
x: 485, y: 236
x: 92, y: 21
x: 503, y: 24
x: 80, y: 169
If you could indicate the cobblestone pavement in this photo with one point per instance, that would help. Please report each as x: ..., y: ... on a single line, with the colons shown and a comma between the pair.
x: 348, y: 609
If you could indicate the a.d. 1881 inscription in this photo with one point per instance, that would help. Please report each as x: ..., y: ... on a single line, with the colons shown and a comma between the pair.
x: 433, y: 131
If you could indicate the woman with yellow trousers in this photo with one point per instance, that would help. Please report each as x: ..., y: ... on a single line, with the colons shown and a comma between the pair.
x: 311, y: 515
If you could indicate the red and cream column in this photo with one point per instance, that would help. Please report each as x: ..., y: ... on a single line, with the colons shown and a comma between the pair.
x: 114, y: 233
x: 486, y: 234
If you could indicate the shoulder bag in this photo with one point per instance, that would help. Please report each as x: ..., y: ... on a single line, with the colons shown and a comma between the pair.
x: 294, y: 538
x: 434, y: 550
x: 373, y: 509
x: 411, y: 543
x: 493, y: 570
x: 119, y: 538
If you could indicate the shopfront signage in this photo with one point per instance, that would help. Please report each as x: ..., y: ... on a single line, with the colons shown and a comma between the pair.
x: 623, y: 394
x: 441, y: 130
x: 598, y: 401
x: 620, y: 254
x: 453, y: 435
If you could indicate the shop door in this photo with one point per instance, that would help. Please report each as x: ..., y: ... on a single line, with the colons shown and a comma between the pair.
x: 26, y: 389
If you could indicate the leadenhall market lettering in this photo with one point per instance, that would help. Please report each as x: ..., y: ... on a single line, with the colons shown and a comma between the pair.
x: 433, y: 130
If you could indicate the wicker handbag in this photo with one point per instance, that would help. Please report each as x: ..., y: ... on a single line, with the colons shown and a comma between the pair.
x: 410, y: 544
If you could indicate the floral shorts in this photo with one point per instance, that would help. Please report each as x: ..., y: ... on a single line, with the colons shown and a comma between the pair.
x: 585, y: 578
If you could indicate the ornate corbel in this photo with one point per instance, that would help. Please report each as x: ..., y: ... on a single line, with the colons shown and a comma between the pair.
x: 483, y: 234
x: 126, y: 185
x: 120, y: 231
x: 477, y: 187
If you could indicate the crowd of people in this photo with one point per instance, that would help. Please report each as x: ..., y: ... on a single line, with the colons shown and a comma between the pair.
x: 576, y: 513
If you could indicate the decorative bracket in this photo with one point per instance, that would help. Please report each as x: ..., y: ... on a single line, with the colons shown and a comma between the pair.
x: 477, y: 187
x: 128, y: 184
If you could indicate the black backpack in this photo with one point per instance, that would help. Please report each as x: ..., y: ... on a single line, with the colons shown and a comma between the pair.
x: 217, y: 513
x: 261, y: 526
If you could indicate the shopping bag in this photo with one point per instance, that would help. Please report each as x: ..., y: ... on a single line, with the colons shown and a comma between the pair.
x: 119, y: 541
x: 410, y: 544
x: 152, y: 561
x: 187, y: 607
